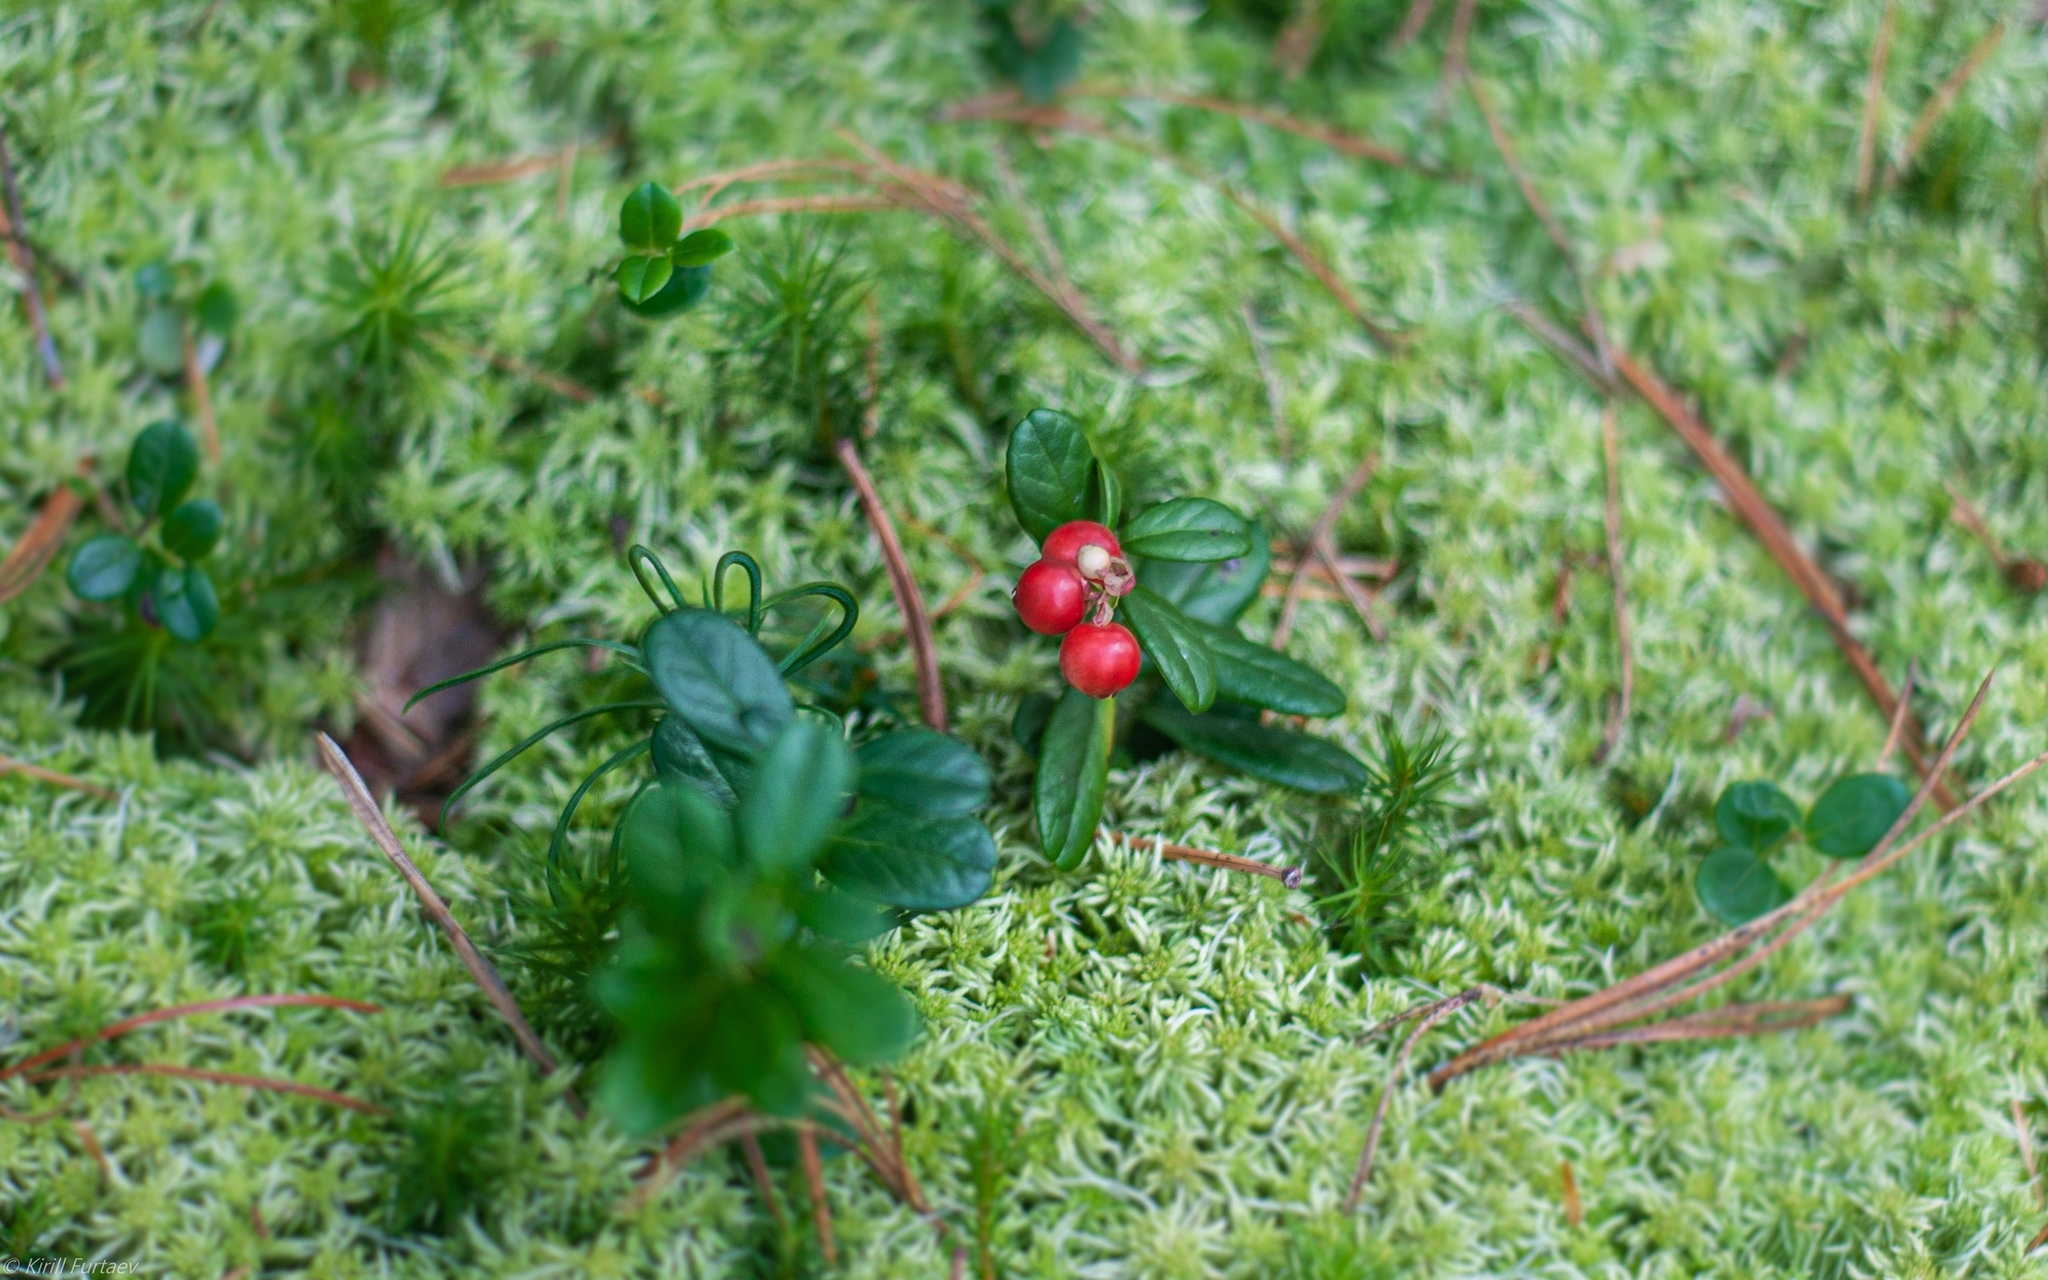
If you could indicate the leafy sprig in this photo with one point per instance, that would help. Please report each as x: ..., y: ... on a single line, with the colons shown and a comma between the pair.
x: 1756, y: 819
x: 155, y: 569
x: 664, y: 271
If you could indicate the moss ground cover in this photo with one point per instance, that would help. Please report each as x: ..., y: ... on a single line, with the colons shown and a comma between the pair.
x: 1131, y: 1069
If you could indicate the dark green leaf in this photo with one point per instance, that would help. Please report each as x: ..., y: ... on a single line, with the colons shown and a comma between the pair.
x: 1188, y: 529
x: 1176, y: 646
x: 801, y: 785
x: 1073, y: 770
x: 192, y: 528
x: 650, y: 219
x: 680, y: 758
x: 678, y: 847
x: 186, y: 603
x: 701, y: 247
x: 1049, y: 466
x: 1737, y: 886
x: 642, y: 276
x: 642, y: 1087
x: 1247, y: 672
x: 161, y: 465
x: 755, y: 1047
x: 1852, y: 815
x: 856, y: 1013
x: 1265, y: 752
x: 216, y: 309
x: 156, y: 281
x: 907, y: 858
x: 710, y: 671
x: 842, y: 916
x: 1218, y: 591
x: 160, y: 340
x: 105, y: 567
x: 686, y: 287
x: 1028, y: 725
x: 1105, y: 496
x: 1755, y: 815
x: 923, y: 770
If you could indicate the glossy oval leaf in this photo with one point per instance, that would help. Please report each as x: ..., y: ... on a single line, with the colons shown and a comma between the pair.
x: 1049, y: 466
x: 1188, y: 529
x: 713, y: 675
x: 686, y: 287
x: 193, y: 528
x: 162, y: 464
x: 800, y: 788
x: 160, y: 341
x: 216, y: 309
x: 1252, y: 673
x: 856, y: 1013
x: 908, y: 858
x: 650, y: 219
x: 1218, y: 591
x: 1177, y: 646
x: 701, y: 248
x: 186, y: 602
x: 105, y: 567
x: 1073, y: 771
x: 1755, y: 815
x: 924, y: 770
x: 1853, y: 814
x: 681, y: 760
x: 642, y: 276
x: 1737, y: 886
x: 678, y: 847
x: 1266, y: 752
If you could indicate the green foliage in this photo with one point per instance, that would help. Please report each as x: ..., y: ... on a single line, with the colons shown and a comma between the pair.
x: 454, y: 1154
x: 793, y: 338
x: 1034, y: 43
x: 172, y: 309
x: 666, y: 272
x: 155, y: 575
x: 391, y: 297
x: 1737, y: 882
x: 1364, y: 885
x: 1073, y: 772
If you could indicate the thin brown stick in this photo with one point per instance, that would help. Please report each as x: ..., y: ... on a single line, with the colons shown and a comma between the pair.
x: 1436, y: 1013
x: 520, y: 369
x: 1716, y: 1024
x: 1411, y: 25
x: 1355, y: 595
x: 706, y: 1127
x: 25, y: 262
x: 9, y: 764
x: 113, y: 1031
x: 481, y: 175
x: 757, y: 1167
x: 814, y: 1182
x: 1564, y: 346
x: 202, y: 397
x: 1898, y: 725
x: 1617, y: 719
x: 92, y: 1146
x: 2037, y: 1241
x: 358, y: 796
x: 209, y: 1077
x: 1276, y: 395
x: 1349, y: 144
x: 814, y: 169
x: 885, y: 1158
x: 1763, y: 520
x: 2024, y: 1134
x: 1455, y: 64
x: 39, y: 543
x: 793, y: 204
x: 917, y: 624
x: 1944, y: 97
x: 1295, y: 47
x: 1288, y: 876
x: 1873, y: 99
x: 1323, y: 531
x: 1574, y: 1208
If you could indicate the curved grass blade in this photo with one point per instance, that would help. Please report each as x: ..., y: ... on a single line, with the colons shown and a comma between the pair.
x: 634, y: 558
x: 812, y: 649
x: 576, y: 799
x: 579, y: 642
x: 530, y: 739
x: 753, y: 571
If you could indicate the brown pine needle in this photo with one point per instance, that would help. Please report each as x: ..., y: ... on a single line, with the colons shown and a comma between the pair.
x: 1574, y: 1208
x: 25, y: 262
x: 328, y: 1096
x: 1617, y: 720
x: 1349, y: 144
x: 1323, y: 532
x: 917, y: 624
x: 358, y: 796
x: 1944, y: 97
x: 39, y: 544
x: 1288, y: 876
x: 1429, y: 1015
x: 757, y: 1167
x: 2037, y: 1241
x: 1412, y: 24
x: 1873, y: 99
x: 114, y: 1031
x: 1898, y: 725
x: 2024, y: 1133
x: 9, y: 764
x: 794, y: 204
x: 202, y: 397
x: 814, y: 1182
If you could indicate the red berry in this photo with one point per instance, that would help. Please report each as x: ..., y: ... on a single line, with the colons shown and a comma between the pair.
x: 1050, y: 597
x: 1065, y: 542
x: 1100, y: 661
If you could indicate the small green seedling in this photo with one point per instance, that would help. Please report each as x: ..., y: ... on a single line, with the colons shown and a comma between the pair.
x: 155, y: 569
x: 173, y: 305
x: 664, y: 272
x: 1180, y: 574
x: 762, y: 845
x: 1755, y: 819
x: 1034, y: 44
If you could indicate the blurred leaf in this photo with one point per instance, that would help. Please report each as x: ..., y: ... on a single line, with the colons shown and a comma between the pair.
x: 856, y: 1013
x: 192, y: 528
x: 1755, y: 815
x: 160, y: 340
x: 678, y: 847
x: 105, y: 567
x: 641, y: 277
x: 924, y: 770
x: 1188, y: 529
x: 1737, y: 885
x: 713, y: 674
x: 800, y: 787
x: 650, y: 219
x: 686, y: 287
x: 680, y: 758
x: 155, y: 281
x: 1073, y: 770
x: 186, y: 602
x: 1853, y: 814
x: 1176, y: 646
x: 162, y: 464
x: 919, y: 860
x: 217, y: 309
x: 1265, y: 752
x: 1049, y: 466
x: 701, y: 248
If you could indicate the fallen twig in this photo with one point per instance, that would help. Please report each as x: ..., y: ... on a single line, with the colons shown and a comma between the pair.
x: 1288, y: 876
x: 1944, y: 97
x: 202, y: 397
x: 1455, y: 65
x: 757, y: 1168
x: 1323, y: 534
x: 917, y: 624
x: 1412, y: 24
x: 1617, y: 719
x: 1761, y: 1018
x: 24, y: 262
x: 814, y: 1183
x: 1898, y: 724
x: 39, y: 543
x: 114, y: 1031
x: 9, y: 764
x: 209, y: 1077
x: 1873, y: 99
x: 486, y: 975
x: 2024, y: 1134
x: 1429, y: 1015
x: 2020, y: 572
x: 1349, y: 144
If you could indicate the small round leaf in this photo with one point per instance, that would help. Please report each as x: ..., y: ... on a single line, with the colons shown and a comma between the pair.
x: 161, y: 466
x: 1755, y: 815
x: 217, y: 309
x: 650, y: 219
x: 186, y: 603
x: 192, y: 528
x: 161, y: 341
x: 156, y: 281
x: 700, y: 248
x: 1852, y: 815
x: 686, y: 287
x: 105, y: 567
x: 642, y: 276
x: 1737, y: 886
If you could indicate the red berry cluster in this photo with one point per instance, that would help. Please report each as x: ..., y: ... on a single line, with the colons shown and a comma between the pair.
x: 1072, y: 591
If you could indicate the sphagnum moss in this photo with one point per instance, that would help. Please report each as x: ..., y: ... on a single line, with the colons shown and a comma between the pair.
x: 1173, y: 1049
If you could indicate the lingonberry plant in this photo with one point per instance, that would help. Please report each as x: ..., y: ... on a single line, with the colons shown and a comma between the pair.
x: 1756, y: 819
x: 1148, y: 602
x: 174, y: 304
x: 664, y: 272
x: 763, y: 843
x: 155, y: 567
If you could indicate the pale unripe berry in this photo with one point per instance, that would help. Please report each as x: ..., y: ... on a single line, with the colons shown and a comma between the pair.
x: 1091, y: 560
